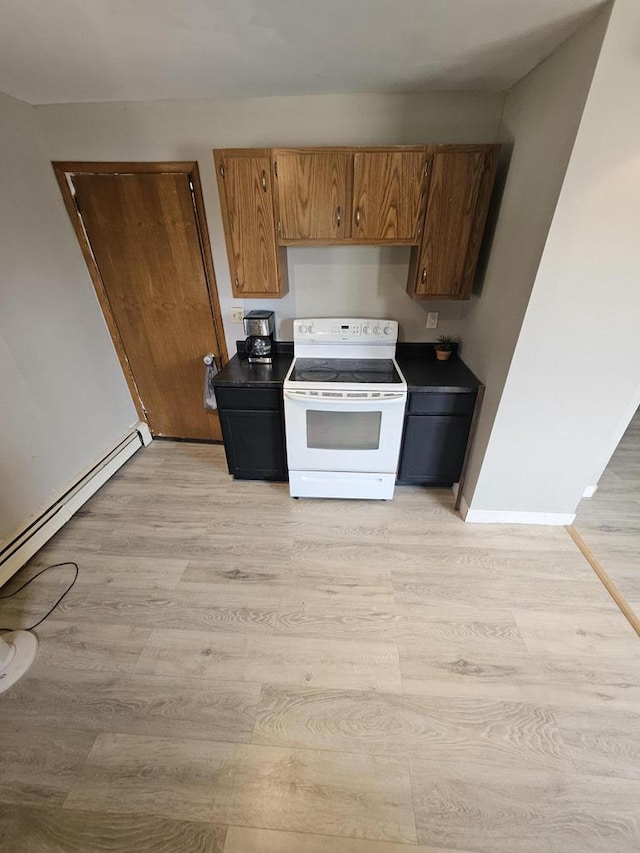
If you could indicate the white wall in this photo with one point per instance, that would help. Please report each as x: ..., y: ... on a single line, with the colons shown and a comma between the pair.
x: 576, y: 367
x: 64, y: 398
x: 358, y: 281
x: 541, y: 117
x: 354, y: 281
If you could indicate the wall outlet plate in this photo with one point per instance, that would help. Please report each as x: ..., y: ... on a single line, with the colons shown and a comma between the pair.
x: 237, y: 314
x: 432, y: 320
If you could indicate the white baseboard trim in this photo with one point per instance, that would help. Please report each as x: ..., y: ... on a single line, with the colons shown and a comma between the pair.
x: 23, y: 546
x: 145, y: 433
x: 497, y: 516
x: 590, y: 491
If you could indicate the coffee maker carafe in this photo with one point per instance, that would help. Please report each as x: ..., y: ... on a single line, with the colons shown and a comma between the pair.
x: 259, y: 327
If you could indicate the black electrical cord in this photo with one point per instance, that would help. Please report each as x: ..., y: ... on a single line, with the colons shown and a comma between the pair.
x: 26, y: 583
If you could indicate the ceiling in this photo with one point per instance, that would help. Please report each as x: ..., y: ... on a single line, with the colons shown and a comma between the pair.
x: 123, y: 50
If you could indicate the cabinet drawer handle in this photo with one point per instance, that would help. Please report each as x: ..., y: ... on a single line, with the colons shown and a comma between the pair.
x: 338, y: 215
x: 357, y: 215
x: 423, y: 277
x: 264, y: 180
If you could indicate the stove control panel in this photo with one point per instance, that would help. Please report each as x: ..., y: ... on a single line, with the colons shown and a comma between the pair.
x: 338, y: 330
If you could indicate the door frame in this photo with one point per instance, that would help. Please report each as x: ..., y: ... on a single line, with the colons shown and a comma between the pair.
x: 63, y: 170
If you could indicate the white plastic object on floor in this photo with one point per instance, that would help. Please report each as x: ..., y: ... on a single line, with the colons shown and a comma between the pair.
x: 18, y: 650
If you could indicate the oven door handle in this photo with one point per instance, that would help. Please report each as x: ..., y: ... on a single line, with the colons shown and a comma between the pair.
x: 304, y: 397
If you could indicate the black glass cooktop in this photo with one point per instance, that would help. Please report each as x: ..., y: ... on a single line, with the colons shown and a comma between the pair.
x: 355, y: 370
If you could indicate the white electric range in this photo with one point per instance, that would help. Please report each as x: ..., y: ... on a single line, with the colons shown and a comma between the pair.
x: 344, y: 402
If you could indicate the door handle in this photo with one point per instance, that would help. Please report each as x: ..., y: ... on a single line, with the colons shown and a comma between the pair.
x: 302, y: 396
x: 358, y: 215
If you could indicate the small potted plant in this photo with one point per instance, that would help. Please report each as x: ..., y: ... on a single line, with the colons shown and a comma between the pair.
x: 444, y: 348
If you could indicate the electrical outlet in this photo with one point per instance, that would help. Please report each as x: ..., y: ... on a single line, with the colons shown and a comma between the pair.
x: 237, y: 314
x: 432, y: 320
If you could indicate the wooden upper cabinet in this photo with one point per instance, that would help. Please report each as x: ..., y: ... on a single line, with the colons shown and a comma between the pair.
x: 461, y: 181
x: 434, y: 198
x: 246, y: 198
x: 313, y: 189
x: 387, y: 195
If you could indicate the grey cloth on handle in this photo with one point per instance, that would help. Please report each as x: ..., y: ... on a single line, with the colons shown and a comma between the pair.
x: 210, y: 371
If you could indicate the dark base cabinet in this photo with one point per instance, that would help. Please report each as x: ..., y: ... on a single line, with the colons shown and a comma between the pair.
x: 436, y: 431
x: 253, y: 431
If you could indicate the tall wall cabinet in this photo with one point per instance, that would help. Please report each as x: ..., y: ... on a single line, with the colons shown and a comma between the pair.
x: 245, y: 184
x: 434, y: 198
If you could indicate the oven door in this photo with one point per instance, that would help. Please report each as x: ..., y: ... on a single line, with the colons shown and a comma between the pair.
x: 343, y: 433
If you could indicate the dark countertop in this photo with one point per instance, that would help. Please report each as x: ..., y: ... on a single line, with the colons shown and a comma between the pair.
x: 239, y: 373
x: 417, y: 362
x: 424, y: 372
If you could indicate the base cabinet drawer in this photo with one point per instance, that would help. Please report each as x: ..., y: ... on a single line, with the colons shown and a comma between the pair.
x: 255, y: 399
x: 255, y: 444
x: 441, y: 403
x: 433, y: 449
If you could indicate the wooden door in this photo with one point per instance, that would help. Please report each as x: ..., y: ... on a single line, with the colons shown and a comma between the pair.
x: 246, y: 198
x: 387, y: 195
x: 144, y: 237
x: 313, y: 194
x: 458, y: 202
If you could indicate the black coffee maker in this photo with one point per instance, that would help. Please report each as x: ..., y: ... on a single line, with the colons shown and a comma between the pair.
x: 259, y: 327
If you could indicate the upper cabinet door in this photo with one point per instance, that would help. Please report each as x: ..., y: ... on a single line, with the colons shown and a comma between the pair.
x: 246, y: 198
x: 458, y: 203
x: 313, y: 194
x: 387, y: 195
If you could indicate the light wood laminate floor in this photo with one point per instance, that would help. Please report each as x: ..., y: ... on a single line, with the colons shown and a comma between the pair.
x: 238, y: 671
x: 609, y: 522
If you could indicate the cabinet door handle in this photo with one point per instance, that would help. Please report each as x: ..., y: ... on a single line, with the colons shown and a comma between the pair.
x: 358, y: 215
x: 338, y: 215
x: 423, y: 277
x: 264, y: 180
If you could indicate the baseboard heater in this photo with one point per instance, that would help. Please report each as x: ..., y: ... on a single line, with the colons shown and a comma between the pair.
x: 29, y: 541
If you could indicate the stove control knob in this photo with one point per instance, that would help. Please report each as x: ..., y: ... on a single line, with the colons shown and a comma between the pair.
x: 311, y: 330
x: 302, y: 330
x: 377, y: 330
x: 387, y: 330
x: 366, y: 330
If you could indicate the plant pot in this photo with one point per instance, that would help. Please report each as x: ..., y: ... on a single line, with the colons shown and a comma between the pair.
x: 443, y: 354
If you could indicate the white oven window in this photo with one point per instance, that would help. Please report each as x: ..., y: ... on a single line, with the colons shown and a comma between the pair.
x: 343, y: 430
